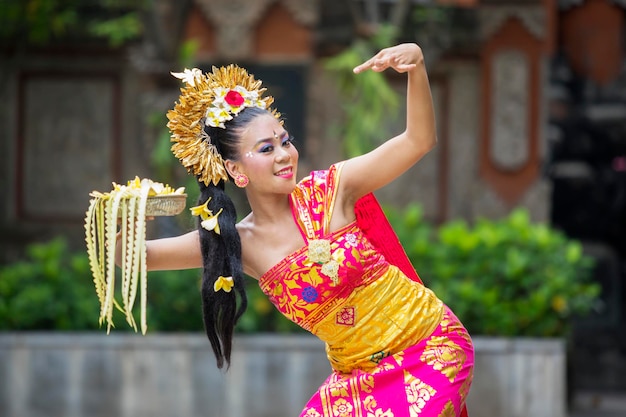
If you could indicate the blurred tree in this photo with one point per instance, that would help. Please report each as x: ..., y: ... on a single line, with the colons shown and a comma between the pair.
x: 370, y: 104
x: 368, y: 101
x: 27, y: 25
x: 41, y: 22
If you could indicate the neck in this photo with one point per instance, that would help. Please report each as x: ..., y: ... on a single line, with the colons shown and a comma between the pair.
x: 269, y: 208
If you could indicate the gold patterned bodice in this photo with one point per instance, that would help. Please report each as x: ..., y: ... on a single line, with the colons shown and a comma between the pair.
x: 340, y: 288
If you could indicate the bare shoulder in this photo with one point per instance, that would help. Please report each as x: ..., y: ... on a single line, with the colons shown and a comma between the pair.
x: 245, y: 228
x: 264, y: 246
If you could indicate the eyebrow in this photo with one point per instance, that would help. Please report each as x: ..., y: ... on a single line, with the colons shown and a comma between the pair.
x: 260, y: 141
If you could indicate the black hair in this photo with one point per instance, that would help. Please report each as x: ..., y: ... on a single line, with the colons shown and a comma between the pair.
x: 221, y: 253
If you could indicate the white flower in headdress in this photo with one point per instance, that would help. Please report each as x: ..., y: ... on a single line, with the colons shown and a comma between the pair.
x: 252, y: 99
x: 216, y: 116
x: 220, y: 94
x: 227, y: 103
x: 189, y: 76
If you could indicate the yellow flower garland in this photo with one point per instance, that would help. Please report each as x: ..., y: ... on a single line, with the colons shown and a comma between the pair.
x: 125, y: 205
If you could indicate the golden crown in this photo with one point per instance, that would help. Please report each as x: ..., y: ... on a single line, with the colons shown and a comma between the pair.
x: 210, y: 99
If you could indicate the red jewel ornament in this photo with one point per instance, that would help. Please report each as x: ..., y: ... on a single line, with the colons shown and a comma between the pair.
x: 234, y: 98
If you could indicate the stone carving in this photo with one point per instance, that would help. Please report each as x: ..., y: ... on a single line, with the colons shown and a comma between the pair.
x: 304, y: 11
x: 532, y: 17
x: 509, y: 145
x: 235, y: 20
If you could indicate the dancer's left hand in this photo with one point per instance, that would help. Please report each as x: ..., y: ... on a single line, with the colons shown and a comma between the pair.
x: 402, y: 58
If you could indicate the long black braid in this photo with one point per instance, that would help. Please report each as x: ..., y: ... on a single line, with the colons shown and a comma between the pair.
x: 221, y: 253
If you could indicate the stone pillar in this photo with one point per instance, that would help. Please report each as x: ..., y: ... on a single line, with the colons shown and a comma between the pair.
x: 516, y: 39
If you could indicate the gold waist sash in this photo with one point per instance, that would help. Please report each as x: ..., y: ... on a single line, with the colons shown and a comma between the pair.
x: 380, y: 319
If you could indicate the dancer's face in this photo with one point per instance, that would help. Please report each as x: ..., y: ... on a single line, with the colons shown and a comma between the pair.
x: 267, y: 156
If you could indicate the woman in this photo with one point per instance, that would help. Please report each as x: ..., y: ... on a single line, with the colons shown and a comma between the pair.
x: 395, y: 348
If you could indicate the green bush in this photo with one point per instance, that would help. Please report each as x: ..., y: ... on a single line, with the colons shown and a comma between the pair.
x: 506, y: 277
x: 52, y: 289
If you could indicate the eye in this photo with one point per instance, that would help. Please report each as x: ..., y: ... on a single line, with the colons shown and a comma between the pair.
x: 266, y: 148
x: 287, y: 141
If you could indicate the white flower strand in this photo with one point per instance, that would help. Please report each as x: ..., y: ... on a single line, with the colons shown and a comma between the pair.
x: 101, y: 223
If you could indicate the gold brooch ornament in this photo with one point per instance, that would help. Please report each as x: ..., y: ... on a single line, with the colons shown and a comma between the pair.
x: 319, y: 253
x: 210, y: 99
x: 331, y: 270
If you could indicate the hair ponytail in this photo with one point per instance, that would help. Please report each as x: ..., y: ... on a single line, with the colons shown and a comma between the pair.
x: 221, y: 255
x: 206, y: 123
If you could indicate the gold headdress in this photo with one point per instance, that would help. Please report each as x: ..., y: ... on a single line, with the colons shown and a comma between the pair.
x: 210, y: 99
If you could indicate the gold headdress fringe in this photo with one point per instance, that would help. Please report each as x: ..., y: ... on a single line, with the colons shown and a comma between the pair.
x: 202, y: 97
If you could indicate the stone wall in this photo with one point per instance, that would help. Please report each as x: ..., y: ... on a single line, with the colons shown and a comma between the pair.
x: 174, y: 375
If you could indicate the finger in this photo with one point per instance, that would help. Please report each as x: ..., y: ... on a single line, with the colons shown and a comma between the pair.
x: 364, y: 66
x: 358, y: 69
x: 381, y: 64
x: 368, y: 64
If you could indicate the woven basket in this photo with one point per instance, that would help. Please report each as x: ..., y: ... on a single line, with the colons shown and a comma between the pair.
x: 166, y: 205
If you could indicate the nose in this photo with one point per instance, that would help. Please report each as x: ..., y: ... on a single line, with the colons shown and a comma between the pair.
x: 282, y: 154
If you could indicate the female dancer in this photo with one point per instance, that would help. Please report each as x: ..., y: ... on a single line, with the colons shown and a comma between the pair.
x: 320, y: 248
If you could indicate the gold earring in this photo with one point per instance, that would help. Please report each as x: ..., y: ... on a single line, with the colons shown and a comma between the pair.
x: 241, y: 180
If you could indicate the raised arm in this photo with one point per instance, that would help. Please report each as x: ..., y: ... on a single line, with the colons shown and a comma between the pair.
x: 375, y: 169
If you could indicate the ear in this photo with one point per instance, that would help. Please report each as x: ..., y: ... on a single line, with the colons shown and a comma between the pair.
x: 232, y: 167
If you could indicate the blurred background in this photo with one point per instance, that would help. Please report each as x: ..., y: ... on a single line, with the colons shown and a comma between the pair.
x: 517, y: 219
